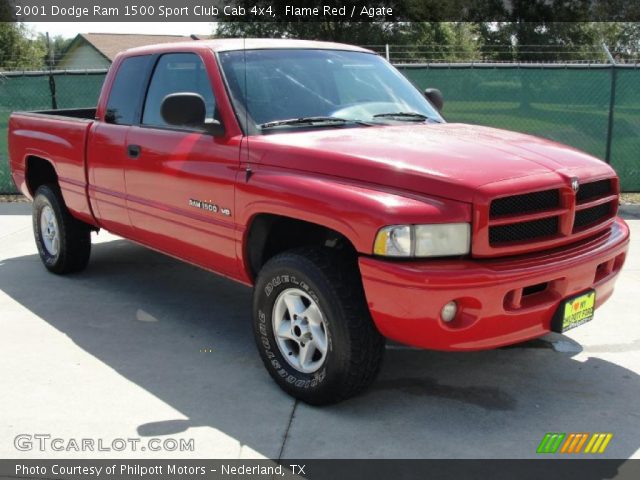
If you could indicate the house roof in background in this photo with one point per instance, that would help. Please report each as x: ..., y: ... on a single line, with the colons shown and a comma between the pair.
x: 110, y: 44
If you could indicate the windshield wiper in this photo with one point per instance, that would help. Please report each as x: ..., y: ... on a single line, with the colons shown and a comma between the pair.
x: 320, y: 121
x: 410, y: 116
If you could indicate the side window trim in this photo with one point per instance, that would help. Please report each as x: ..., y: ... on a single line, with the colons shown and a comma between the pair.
x: 147, y: 85
x: 153, y: 60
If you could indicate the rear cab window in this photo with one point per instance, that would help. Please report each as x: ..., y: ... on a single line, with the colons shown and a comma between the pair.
x: 127, y: 89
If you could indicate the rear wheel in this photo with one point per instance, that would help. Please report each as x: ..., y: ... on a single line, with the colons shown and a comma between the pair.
x: 64, y: 243
x: 313, y: 328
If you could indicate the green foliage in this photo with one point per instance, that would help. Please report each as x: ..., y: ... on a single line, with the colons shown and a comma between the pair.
x: 545, y: 42
x: 370, y: 33
x: 559, y: 41
x: 6, y: 12
x: 622, y: 38
x: 59, y: 44
x: 444, y: 40
x: 447, y: 41
x: 18, y: 50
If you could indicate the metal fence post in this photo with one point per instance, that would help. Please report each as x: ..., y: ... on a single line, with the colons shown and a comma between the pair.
x: 386, y: 51
x: 612, y: 101
x: 52, y: 80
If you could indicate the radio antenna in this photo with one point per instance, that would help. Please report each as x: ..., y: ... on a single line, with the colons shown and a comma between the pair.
x: 246, y: 107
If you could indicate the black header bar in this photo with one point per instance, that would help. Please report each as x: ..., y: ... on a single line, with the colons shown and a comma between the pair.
x: 177, y: 469
x: 318, y: 10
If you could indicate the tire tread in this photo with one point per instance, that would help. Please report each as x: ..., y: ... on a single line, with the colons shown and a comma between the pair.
x: 366, y: 355
x: 76, y: 242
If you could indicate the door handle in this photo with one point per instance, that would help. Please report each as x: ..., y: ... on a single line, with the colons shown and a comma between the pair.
x: 133, y: 151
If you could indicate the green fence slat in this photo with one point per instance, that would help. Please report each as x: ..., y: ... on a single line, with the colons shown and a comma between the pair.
x: 31, y: 92
x: 569, y: 105
x: 625, y: 141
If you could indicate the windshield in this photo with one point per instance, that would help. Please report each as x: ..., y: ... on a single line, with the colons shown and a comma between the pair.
x: 278, y: 88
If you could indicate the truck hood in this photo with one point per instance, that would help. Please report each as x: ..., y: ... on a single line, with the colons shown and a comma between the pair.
x: 447, y: 160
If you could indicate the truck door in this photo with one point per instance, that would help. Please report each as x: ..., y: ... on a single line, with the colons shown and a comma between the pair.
x: 180, y: 181
x: 107, y: 157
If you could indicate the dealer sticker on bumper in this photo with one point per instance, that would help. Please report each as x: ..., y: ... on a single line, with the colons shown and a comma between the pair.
x: 575, y: 311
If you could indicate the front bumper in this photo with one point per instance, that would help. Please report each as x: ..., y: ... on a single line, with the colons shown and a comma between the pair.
x: 501, y: 301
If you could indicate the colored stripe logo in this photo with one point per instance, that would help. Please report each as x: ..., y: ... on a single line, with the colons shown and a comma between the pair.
x: 554, y: 442
x: 598, y: 443
x: 550, y: 442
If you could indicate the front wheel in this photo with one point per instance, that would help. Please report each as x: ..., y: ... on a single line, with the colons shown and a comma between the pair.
x: 64, y: 243
x: 313, y: 328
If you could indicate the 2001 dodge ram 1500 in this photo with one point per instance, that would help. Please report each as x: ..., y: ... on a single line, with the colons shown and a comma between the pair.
x: 318, y: 174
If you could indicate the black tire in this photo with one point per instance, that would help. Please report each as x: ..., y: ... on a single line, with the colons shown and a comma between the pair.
x: 74, y: 237
x: 355, y: 347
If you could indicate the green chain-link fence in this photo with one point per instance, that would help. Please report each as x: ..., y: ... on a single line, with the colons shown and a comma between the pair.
x: 625, y: 135
x: 571, y: 104
x: 32, y: 91
x: 568, y: 103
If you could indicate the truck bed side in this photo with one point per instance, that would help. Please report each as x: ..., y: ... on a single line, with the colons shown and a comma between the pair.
x: 59, y: 138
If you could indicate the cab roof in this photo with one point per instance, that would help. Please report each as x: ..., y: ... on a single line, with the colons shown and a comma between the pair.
x: 229, y: 44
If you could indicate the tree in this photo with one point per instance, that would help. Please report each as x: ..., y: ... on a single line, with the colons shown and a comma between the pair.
x: 419, y: 41
x: 58, y: 45
x: 361, y: 33
x: 622, y: 38
x: 537, y: 30
x: 439, y: 41
x: 5, y: 11
x: 18, y: 50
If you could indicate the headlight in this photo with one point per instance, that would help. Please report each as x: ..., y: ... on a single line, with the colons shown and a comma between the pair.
x: 437, y: 240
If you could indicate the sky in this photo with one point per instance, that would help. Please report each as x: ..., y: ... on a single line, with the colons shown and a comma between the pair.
x: 71, y: 29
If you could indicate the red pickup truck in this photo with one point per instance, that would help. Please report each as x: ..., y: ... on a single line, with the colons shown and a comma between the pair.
x: 319, y: 175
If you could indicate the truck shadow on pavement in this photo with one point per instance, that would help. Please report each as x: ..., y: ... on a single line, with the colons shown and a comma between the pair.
x: 184, y: 335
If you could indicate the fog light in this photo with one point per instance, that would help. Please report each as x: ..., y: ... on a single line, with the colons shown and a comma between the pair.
x: 449, y: 311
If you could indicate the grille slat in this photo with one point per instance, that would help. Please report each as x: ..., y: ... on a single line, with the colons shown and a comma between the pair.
x: 590, y: 216
x: 593, y: 190
x: 522, y: 231
x: 547, y: 204
x: 525, y: 203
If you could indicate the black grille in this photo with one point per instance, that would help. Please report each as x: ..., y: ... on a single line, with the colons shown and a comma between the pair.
x: 525, y: 203
x: 588, y: 191
x: 590, y: 216
x: 518, y: 232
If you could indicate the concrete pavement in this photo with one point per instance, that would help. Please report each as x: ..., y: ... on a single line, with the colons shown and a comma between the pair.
x: 143, y: 346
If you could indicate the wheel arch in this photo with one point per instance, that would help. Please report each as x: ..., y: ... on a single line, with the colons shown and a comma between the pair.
x: 269, y: 234
x: 39, y: 171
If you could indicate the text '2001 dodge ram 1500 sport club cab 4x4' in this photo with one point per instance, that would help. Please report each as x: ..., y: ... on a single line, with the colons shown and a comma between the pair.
x: 319, y: 175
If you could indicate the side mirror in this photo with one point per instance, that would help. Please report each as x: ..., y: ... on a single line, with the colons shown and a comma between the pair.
x: 435, y: 97
x: 187, y: 109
